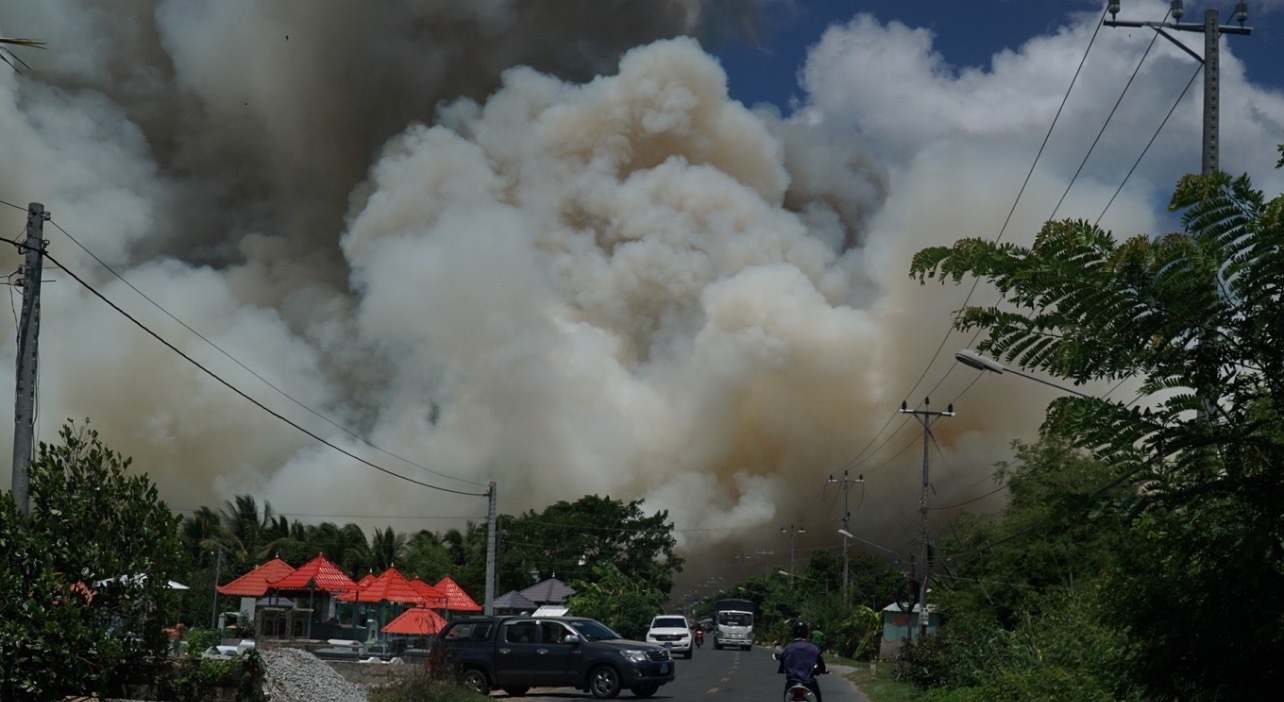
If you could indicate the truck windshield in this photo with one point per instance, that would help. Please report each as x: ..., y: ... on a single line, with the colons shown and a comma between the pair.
x: 592, y: 630
x: 735, y: 618
x: 669, y: 623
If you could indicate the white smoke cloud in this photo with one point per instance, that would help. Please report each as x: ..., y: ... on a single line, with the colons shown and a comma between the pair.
x: 596, y: 273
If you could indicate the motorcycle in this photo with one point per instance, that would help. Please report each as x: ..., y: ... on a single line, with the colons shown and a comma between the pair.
x: 797, y: 691
x: 699, y: 637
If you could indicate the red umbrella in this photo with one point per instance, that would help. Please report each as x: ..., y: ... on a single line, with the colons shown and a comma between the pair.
x: 416, y: 621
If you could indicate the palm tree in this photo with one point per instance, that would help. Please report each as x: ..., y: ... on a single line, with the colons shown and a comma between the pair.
x: 386, y: 549
x: 7, y: 55
x: 246, y: 536
x: 201, y: 532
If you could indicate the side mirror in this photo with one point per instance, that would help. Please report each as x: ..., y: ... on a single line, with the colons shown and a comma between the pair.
x: 775, y: 656
x: 571, y: 639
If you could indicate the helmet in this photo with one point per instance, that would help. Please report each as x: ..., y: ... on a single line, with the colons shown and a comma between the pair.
x: 800, y: 630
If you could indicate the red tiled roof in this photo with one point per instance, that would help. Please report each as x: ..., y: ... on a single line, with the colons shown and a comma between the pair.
x: 433, y: 597
x: 456, y: 599
x: 316, y: 574
x: 416, y: 620
x: 390, y: 586
x: 255, y: 582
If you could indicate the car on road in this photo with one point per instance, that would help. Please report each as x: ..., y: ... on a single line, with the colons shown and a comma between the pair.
x: 672, y: 631
x: 517, y: 653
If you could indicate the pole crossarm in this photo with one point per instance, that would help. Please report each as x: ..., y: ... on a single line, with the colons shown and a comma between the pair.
x: 1212, y: 31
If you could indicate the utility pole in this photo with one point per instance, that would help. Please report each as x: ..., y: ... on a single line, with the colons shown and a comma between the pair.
x: 927, y: 418
x: 793, y: 532
x: 24, y: 414
x: 489, y: 609
x: 1212, y: 32
x: 766, y: 563
x: 218, y: 569
x: 846, y: 484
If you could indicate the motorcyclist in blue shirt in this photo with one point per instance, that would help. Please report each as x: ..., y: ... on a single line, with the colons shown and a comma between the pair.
x: 801, y: 661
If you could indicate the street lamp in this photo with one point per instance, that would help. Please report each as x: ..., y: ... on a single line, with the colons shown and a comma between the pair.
x: 972, y: 359
x: 793, y: 532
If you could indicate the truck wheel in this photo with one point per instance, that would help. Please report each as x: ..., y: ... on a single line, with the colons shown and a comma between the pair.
x: 690, y: 652
x: 474, y: 680
x: 516, y: 691
x: 645, y: 690
x: 604, y: 682
x: 748, y: 647
x: 717, y: 645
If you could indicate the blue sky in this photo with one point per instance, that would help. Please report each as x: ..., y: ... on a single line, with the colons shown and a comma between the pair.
x: 969, y: 34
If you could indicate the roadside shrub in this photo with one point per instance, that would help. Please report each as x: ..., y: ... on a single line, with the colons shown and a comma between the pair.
x: 196, y: 679
x: 937, y: 661
x: 199, y: 640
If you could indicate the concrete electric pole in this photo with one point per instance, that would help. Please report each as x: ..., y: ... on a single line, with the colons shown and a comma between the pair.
x: 927, y: 418
x: 793, y: 532
x: 845, y: 483
x: 491, y: 498
x: 1212, y: 32
x: 24, y: 415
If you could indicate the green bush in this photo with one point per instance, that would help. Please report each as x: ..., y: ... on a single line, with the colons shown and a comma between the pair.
x: 199, y: 640
x: 195, y: 679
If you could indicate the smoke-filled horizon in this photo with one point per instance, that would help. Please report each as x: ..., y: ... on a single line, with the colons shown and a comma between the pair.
x: 539, y: 243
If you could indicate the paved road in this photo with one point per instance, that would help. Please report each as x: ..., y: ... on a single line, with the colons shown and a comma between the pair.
x: 745, y: 676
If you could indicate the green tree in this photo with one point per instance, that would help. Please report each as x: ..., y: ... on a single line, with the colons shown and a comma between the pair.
x: 1060, y: 529
x: 425, y: 557
x: 84, y: 578
x: 386, y: 549
x: 245, y: 534
x: 570, y: 539
x: 1194, y: 316
x: 619, y: 601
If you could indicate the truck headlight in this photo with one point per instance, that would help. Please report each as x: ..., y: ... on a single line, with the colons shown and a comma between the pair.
x: 634, y: 655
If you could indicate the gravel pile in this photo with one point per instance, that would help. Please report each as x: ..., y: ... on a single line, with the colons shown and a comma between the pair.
x: 298, y: 676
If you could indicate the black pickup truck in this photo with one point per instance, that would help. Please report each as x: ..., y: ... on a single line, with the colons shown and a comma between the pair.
x: 517, y: 653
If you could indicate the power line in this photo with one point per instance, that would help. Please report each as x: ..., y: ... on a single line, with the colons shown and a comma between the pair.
x: 1106, y: 123
x: 1148, y: 145
x: 240, y: 392
x: 1007, y: 220
x: 251, y: 371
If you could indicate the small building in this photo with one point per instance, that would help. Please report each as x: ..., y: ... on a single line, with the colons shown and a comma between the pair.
x: 548, y: 592
x: 900, y: 624
x: 512, y: 602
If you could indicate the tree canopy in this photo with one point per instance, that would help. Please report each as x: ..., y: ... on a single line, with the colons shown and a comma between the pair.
x: 1194, y: 318
x: 84, y: 581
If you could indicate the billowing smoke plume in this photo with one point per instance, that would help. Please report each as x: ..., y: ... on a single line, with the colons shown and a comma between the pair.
x: 535, y: 243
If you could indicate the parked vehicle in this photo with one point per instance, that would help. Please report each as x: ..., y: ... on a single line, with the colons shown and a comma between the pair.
x: 517, y: 653
x: 734, y: 619
x: 672, y: 631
